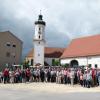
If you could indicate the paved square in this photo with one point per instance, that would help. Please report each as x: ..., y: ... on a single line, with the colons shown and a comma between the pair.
x: 43, y: 92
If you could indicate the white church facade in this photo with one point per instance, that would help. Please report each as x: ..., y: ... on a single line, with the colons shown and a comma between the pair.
x: 83, y: 51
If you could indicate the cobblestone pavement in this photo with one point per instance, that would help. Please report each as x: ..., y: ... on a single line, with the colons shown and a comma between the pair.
x: 47, y: 91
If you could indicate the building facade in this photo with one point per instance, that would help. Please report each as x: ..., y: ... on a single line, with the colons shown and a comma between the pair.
x: 93, y: 61
x: 10, y: 49
x: 83, y: 51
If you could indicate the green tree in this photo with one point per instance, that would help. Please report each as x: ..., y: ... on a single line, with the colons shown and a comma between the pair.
x: 26, y: 64
x: 53, y: 62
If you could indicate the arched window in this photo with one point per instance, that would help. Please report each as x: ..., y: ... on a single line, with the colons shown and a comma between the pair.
x: 39, y: 28
x: 39, y: 36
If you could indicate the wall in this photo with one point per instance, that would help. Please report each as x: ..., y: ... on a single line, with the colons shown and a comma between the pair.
x: 17, y: 51
x: 38, y: 52
x: 49, y: 60
x: 83, y: 61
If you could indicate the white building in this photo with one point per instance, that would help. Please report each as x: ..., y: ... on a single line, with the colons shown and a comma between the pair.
x: 39, y: 41
x: 82, y: 52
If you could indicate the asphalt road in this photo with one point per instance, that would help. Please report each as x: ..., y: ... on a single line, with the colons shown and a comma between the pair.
x: 26, y: 94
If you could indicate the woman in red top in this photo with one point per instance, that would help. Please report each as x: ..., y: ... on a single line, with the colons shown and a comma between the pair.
x: 28, y: 74
x: 6, y: 75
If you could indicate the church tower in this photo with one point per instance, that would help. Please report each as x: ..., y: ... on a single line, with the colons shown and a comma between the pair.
x: 39, y: 41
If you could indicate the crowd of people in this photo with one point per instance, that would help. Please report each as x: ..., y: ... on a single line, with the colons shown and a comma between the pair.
x: 85, y: 77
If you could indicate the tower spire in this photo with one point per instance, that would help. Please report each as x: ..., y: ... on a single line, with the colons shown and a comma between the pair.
x: 40, y: 16
x: 40, y: 12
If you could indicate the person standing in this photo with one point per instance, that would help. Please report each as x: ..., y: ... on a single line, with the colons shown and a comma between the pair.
x: 28, y: 74
x: 88, y: 79
x: 84, y: 78
x: 65, y: 76
x: 68, y: 77
x: 42, y: 75
x: 98, y: 77
x: 72, y: 75
x: 6, y: 75
x: 23, y: 76
x: 48, y: 75
x: 81, y: 79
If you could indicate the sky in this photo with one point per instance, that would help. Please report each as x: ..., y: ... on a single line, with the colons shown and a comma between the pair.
x: 65, y: 20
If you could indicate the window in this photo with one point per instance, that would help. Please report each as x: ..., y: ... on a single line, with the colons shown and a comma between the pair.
x: 8, y: 44
x: 39, y: 36
x: 39, y: 28
x: 8, y: 54
x: 39, y: 42
x: 96, y: 65
x: 89, y: 65
x: 38, y: 54
x: 14, y: 45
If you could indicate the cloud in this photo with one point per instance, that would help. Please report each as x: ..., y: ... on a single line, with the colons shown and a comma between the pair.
x: 66, y: 19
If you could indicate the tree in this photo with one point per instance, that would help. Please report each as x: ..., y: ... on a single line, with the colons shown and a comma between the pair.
x: 26, y: 64
x: 55, y: 62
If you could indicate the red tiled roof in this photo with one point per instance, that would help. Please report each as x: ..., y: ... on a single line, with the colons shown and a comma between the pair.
x: 80, y: 47
x: 49, y: 52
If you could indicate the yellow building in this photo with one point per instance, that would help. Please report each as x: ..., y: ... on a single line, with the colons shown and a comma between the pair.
x: 10, y: 49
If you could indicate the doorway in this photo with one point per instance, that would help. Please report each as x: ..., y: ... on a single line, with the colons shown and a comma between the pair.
x: 74, y: 63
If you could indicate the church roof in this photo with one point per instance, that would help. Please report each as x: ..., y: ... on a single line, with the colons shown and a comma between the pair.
x: 81, y: 47
x: 50, y: 52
